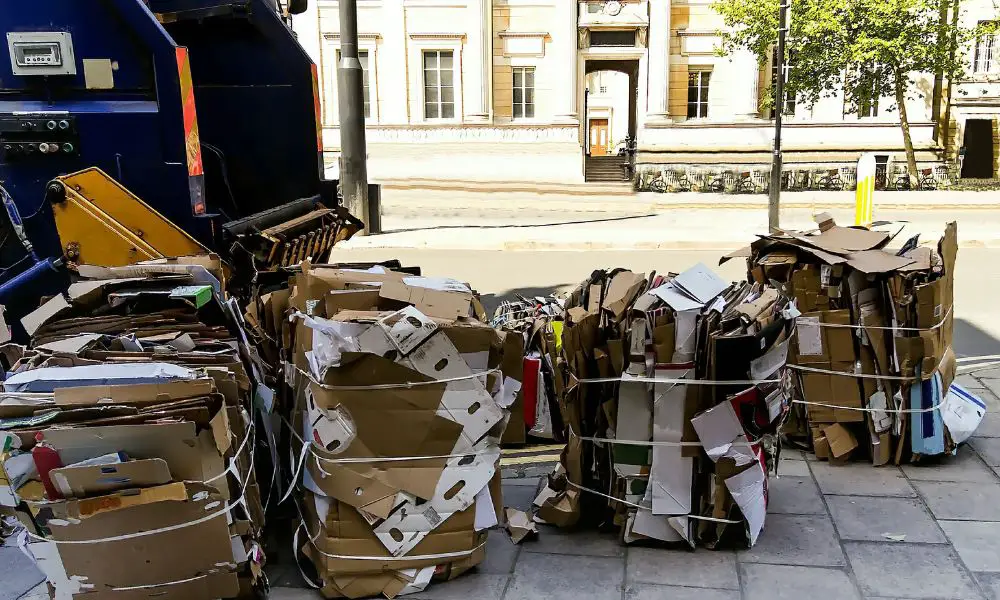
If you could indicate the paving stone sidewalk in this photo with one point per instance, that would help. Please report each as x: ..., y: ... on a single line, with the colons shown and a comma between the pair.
x: 829, y: 534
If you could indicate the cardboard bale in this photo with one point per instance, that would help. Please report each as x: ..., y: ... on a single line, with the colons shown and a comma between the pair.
x: 141, y: 383
x: 875, y: 335
x: 634, y: 456
x: 400, y: 395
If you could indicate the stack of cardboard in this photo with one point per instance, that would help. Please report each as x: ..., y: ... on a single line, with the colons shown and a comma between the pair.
x: 646, y: 451
x: 401, y: 394
x: 872, y: 352
x: 538, y: 322
x: 128, y: 438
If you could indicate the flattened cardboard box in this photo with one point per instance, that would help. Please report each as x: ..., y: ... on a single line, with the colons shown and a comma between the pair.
x: 201, y: 552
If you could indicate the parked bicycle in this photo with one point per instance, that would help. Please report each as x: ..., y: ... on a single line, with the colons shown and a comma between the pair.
x: 744, y: 183
x: 658, y: 184
x: 681, y: 181
x: 716, y: 182
x: 831, y: 181
x: 926, y: 181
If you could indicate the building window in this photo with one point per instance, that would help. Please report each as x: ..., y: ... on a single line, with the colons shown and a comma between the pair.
x: 698, y: 94
x: 789, y: 105
x: 363, y: 59
x: 604, y: 89
x: 524, y: 92
x: 439, y: 84
x: 982, y: 59
x: 612, y: 38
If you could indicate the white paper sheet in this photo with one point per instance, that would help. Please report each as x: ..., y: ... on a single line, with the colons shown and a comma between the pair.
x: 747, y: 490
x: 701, y: 283
x: 676, y: 299
x: 810, y: 336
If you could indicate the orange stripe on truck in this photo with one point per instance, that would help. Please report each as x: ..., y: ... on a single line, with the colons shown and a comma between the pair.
x: 316, y: 108
x: 192, y: 140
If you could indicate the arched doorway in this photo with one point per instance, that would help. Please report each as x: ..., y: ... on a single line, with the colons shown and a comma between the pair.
x: 610, y: 107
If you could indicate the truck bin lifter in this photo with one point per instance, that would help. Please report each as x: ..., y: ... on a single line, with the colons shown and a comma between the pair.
x: 206, y: 110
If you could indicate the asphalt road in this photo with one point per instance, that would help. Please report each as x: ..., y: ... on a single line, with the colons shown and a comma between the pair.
x: 499, y: 274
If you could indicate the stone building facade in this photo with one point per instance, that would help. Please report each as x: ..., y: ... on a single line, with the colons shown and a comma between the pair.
x: 528, y: 90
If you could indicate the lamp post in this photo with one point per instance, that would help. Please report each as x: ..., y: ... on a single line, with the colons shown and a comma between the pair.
x: 779, y: 104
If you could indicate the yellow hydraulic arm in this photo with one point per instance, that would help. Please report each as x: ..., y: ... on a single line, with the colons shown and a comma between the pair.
x: 102, y: 223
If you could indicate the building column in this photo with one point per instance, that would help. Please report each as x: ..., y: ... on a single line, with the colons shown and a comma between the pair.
x: 658, y: 89
x: 746, y: 73
x: 564, y: 46
x: 475, y: 63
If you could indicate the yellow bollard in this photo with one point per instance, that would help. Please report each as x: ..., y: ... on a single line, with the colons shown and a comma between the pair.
x: 864, y: 196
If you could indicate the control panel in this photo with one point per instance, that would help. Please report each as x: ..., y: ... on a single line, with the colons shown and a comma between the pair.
x: 41, y: 53
x: 38, y: 136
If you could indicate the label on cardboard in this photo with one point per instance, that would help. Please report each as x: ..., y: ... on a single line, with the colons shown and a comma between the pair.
x: 824, y: 275
x: 767, y: 365
x: 775, y: 404
x: 810, y: 336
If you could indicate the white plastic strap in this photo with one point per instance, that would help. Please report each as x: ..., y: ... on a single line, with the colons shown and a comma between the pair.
x: 374, y: 459
x: 679, y: 381
x: 139, y: 534
x: 393, y: 386
x: 937, y: 325
x: 295, y: 553
x: 808, y: 369
x: 873, y: 410
x: 159, y: 585
x: 613, y: 442
x: 648, y: 508
x: 232, y: 462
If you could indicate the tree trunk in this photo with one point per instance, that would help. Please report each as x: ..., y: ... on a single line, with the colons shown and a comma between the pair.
x: 904, y: 124
x: 943, y: 44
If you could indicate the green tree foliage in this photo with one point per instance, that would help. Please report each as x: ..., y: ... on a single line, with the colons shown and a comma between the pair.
x: 870, y: 49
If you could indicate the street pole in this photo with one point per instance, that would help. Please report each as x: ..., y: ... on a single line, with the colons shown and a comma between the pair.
x: 351, y: 102
x: 779, y: 109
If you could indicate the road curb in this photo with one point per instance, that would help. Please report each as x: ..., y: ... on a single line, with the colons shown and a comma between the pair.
x: 535, y: 246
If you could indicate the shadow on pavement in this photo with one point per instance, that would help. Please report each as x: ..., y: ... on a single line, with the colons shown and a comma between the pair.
x: 970, y: 340
x: 519, y: 225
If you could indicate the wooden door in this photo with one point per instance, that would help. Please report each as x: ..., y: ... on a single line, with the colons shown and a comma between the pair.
x: 599, y: 143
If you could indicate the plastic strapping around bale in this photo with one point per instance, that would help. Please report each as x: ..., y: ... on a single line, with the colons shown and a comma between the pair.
x: 308, y: 448
x: 151, y: 586
x: 460, y: 553
x: 648, y: 508
x: 232, y: 462
x: 613, y: 442
x: 392, y: 386
x: 679, y: 381
x: 128, y: 536
x: 938, y: 325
